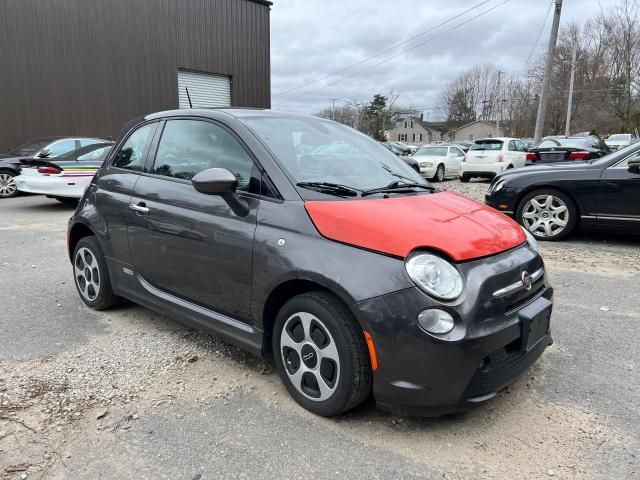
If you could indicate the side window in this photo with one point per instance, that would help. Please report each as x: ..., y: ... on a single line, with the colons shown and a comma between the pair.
x: 457, y: 152
x: 131, y: 154
x: 60, y: 148
x: 188, y: 147
x: 512, y: 146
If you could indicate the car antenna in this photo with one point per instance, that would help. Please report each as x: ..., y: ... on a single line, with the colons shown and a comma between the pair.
x: 188, y: 97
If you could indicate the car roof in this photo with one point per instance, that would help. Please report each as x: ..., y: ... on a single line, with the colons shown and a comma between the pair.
x: 238, y: 112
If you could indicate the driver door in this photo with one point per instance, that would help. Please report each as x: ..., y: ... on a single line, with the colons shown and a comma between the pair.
x: 619, y: 195
x: 186, y: 243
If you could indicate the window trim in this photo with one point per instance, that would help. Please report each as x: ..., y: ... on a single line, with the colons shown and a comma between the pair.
x: 617, y: 165
x: 153, y: 150
x: 116, y: 148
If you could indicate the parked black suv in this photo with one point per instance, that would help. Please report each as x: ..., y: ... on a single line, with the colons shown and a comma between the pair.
x: 342, y: 264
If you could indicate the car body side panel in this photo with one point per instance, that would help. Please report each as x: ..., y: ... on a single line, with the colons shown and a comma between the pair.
x: 352, y: 273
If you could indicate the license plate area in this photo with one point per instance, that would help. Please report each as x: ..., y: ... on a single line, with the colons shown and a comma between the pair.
x: 534, y: 322
x: 552, y: 157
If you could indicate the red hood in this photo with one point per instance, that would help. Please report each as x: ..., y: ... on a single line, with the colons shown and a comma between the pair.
x: 461, y: 228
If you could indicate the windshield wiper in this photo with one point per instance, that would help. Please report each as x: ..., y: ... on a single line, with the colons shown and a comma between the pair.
x: 330, y: 188
x: 398, y: 186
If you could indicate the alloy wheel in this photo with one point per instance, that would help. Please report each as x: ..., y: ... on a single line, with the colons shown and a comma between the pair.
x: 545, y: 215
x: 8, y: 186
x: 87, y: 274
x: 310, y: 356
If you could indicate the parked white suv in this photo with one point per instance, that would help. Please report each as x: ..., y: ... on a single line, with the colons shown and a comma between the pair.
x: 489, y: 156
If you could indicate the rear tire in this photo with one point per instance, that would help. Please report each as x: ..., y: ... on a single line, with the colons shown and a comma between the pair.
x: 91, y: 276
x: 321, y: 355
x: 464, y: 178
x: 8, y: 186
x: 548, y: 214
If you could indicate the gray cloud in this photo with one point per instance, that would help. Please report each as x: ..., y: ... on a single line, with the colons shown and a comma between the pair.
x: 311, y: 38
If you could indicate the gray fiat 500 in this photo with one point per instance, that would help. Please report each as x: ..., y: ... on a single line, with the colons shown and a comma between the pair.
x: 308, y: 243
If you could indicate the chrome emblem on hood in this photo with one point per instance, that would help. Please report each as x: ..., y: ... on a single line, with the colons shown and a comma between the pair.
x: 527, y: 283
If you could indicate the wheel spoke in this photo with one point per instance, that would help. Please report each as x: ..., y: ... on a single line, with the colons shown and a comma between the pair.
x: 547, y: 229
x: 559, y: 222
x: 325, y: 390
x: 530, y: 215
x: 330, y: 352
x: 305, y: 320
x: 288, y: 342
x: 536, y: 204
x: 296, y: 378
x: 559, y: 209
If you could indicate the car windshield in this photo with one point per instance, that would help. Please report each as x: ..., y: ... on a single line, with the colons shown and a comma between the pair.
x: 317, y: 150
x: 487, y: 145
x: 31, y: 147
x: 566, y: 142
x: 432, y: 151
x: 620, y: 137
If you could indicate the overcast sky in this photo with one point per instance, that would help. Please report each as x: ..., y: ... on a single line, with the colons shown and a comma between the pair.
x: 314, y: 38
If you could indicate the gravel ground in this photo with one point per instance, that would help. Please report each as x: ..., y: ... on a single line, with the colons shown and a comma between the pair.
x: 131, y: 394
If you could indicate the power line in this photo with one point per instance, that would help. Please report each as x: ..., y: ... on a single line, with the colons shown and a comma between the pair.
x: 332, y: 74
x: 402, y: 52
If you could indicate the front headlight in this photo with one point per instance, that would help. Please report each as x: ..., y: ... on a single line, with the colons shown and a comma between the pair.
x: 496, y: 187
x: 434, y: 275
x: 533, y: 243
x: 426, y: 164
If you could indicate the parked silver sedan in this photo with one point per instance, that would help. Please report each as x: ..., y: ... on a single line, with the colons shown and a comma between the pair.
x: 438, y: 162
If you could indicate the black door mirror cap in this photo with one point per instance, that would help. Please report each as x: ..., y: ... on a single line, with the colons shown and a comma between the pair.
x: 215, y: 181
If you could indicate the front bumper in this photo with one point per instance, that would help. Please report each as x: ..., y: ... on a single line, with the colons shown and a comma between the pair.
x: 422, y: 375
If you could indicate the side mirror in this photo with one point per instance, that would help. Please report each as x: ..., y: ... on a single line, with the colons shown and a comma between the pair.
x: 220, y: 181
x: 634, y: 165
x: 44, y: 153
x: 215, y: 181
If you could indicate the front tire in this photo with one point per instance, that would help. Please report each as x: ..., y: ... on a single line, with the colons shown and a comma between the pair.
x: 464, y: 178
x: 439, y: 177
x: 321, y: 355
x: 8, y: 187
x: 91, y: 276
x: 548, y: 214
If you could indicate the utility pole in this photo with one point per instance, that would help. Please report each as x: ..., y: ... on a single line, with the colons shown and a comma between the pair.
x: 499, y: 112
x: 570, y: 101
x: 333, y: 108
x: 546, y: 82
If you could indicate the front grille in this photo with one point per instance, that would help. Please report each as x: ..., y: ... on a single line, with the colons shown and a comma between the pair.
x: 516, y: 302
x: 502, y: 367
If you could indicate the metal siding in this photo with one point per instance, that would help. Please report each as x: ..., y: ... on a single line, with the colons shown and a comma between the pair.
x: 205, y: 90
x: 86, y: 67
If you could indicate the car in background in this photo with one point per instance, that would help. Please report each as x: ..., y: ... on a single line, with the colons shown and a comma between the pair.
x: 566, y: 149
x: 44, y: 147
x: 551, y: 200
x: 464, y: 146
x: 407, y: 149
x: 488, y: 157
x: 409, y: 160
x: 438, y: 162
x: 620, y: 140
x: 66, y: 177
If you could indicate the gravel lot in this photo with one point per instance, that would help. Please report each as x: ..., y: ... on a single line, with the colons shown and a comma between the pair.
x: 131, y: 394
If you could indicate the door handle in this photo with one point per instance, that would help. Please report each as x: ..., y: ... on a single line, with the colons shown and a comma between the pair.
x: 140, y: 209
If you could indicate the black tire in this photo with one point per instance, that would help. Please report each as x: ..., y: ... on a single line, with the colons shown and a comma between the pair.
x: 354, y: 380
x: 524, y: 208
x: 104, y: 298
x: 67, y: 200
x: 464, y: 178
x: 8, y: 187
x: 439, y: 176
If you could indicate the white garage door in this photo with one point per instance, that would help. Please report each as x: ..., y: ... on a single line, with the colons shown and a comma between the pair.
x: 205, y: 90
